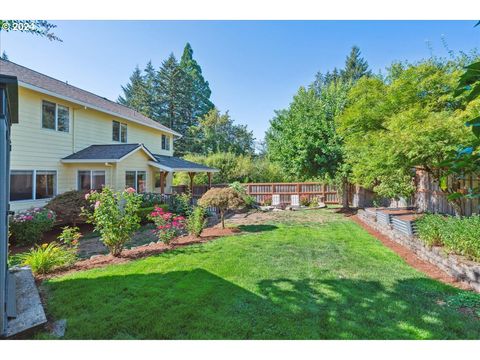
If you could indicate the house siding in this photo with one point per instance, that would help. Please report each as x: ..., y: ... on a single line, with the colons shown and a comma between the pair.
x: 35, y: 148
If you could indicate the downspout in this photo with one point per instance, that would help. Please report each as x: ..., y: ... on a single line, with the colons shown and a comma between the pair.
x: 73, y: 130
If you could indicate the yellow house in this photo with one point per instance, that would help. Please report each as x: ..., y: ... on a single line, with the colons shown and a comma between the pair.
x: 70, y: 139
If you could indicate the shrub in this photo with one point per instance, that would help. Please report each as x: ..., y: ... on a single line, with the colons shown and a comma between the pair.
x: 430, y: 228
x: 48, y: 257
x: 150, y: 199
x: 196, y: 221
x: 167, y: 225
x: 70, y: 235
x: 458, y: 235
x: 267, y: 200
x: 180, y: 204
x: 27, y: 227
x: 115, y: 216
x: 304, y: 200
x: 68, y: 206
x: 144, y: 212
x: 247, y: 199
x: 223, y: 199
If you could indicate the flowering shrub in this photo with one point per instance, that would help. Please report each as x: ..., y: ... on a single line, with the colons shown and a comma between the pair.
x: 150, y: 199
x: 27, y: 227
x: 70, y: 236
x: 167, y: 224
x: 115, y: 216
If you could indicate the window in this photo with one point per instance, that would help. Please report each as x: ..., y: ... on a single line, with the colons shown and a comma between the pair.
x: 23, y: 186
x: 119, y: 132
x: 55, y: 117
x: 165, y: 142
x: 91, y: 179
x: 136, y: 180
x: 45, y: 184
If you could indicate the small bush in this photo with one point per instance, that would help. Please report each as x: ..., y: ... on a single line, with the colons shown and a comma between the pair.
x: 267, y: 200
x: 180, y: 204
x: 70, y: 236
x: 68, y: 206
x: 223, y: 199
x: 115, y: 216
x: 458, y: 235
x: 27, y: 227
x: 150, y: 199
x: 196, y: 221
x: 249, y: 200
x: 48, y: 257
x: 314, y: 202
x: 168, y: 226
x: 304, y: 200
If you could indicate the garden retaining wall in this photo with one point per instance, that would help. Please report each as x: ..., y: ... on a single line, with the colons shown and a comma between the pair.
x: 457, y: 266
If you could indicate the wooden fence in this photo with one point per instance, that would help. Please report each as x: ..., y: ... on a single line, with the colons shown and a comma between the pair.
x: 262, y: 191
x: 429, y: 197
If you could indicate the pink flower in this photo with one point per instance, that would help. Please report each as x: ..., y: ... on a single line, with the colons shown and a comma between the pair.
x: 130, y: 190
x: 87, y: 195
x: 29, y: 217
x: 97, y: 204
x: 49, y: 215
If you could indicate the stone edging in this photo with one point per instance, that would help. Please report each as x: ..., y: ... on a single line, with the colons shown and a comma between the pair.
x: 457, y: 266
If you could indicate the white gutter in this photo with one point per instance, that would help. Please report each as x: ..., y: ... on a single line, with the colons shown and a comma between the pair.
x: 169, y: 169
x: 87, y: 105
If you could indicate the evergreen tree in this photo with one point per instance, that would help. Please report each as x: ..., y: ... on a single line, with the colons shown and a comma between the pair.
x: 171, y: 92
x: 150, y: 81
x: 4, y: 56
x: 135, y: 94
x: 355, y: 66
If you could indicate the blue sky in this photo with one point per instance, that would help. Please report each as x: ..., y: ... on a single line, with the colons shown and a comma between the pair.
x: 253, y: 67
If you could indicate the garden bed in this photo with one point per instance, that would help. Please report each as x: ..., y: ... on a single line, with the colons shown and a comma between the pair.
x: 456, y: 266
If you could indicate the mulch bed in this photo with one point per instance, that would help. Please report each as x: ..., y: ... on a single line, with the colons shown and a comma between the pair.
x: 412, y: 259
x: 127, y: 255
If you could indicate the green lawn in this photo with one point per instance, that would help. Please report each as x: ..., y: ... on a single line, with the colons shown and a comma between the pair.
x: 281, y: 280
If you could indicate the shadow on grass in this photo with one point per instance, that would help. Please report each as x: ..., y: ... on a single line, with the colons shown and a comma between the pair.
x: 197, y: 304
x: 257, y: 228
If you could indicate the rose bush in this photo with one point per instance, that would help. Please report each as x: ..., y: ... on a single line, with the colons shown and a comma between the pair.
x: 27, y: 227
x: 167, y: 225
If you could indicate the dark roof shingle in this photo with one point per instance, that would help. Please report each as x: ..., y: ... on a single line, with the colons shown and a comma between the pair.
x: 103, y: 152
x: 61, y: 88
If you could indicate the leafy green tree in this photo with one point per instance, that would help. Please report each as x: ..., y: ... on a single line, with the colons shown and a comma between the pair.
x: 216, y: 133
x: 411, y: 120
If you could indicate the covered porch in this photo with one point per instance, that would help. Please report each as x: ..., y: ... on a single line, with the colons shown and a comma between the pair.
x: 166, y: 166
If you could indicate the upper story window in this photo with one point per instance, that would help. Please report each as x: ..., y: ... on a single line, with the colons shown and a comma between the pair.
x: 55, y: 117
x: 165, y: 142
x: 119, y: 132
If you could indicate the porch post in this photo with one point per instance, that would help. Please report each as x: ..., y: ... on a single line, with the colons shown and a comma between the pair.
x: 162, y: 187
x: 191, y: 175
x: 209, y: 174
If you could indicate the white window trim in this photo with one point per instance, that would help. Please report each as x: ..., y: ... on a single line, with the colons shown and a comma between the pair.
x: 168, y: 145
x: 34, y: 185
x: 91, y: 178
x: 136, y: 178
x: 120, y: 132
x: 56, y: 117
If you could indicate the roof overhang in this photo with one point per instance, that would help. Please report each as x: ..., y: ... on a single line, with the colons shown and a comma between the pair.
x: 86, y: 105
x: 96, y: 161
x: 171, y: 169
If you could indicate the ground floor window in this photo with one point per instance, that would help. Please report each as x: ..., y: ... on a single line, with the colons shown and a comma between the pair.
x: 136, y: 180
x: 32, y: 184
x: 91, y: 179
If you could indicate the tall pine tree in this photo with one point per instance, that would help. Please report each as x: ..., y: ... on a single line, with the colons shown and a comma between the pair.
x: 355, y: 66
x: 135, y: 94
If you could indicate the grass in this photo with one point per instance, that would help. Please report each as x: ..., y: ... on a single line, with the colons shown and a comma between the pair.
x: 281, y: 280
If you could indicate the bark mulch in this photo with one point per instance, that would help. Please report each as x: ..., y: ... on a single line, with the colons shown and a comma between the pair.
x: 98, y: 261
x: 411, y: 258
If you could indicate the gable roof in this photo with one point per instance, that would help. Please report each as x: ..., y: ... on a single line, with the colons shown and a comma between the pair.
x: 172, y: 163
x: 105, y: 153
x: 45, y: 84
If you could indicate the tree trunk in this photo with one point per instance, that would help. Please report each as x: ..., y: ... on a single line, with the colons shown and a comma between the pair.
x: 222, y: 218
x: 345, y: 194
